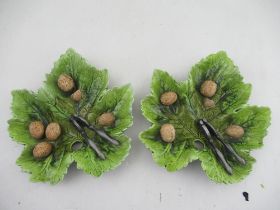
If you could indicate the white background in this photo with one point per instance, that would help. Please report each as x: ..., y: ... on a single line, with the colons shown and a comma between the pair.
x: 131, y: 38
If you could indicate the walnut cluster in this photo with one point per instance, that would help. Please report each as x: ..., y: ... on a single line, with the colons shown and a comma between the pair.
x: 167, y: 131
x: 37, y: 130
x: 208, y: 89
x: 66, y: 83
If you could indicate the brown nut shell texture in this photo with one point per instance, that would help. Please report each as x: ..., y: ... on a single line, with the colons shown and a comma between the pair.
x: 42, y: 150
x: 235, y: 131
x: 208, y: 88
x: 168, y: 98
x: 36, y: 129
x: 53, y: 131
x: 106, y: 119
x: 167, y: 133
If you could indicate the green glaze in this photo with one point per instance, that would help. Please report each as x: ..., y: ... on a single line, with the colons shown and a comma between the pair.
x: 230, y: 108
x: 51, y: 104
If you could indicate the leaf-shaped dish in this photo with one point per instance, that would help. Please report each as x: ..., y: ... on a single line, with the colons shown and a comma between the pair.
x: 51, y: 104
x: 226, y: 111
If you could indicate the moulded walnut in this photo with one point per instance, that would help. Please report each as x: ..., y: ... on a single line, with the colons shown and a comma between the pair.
x: 36, y: 129
x: 42, y: 150
x: 53, y: 131
x: 235, y: 131
x: 208, y: 88
x: 208, y: 103
x: 168, y: 98
x: 65, y: 82
x: 167, y: 133
x: 106, y: 119
x: 77, y: 95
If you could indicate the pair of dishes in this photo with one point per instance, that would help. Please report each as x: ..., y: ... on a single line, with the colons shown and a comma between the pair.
x: 74, y: 117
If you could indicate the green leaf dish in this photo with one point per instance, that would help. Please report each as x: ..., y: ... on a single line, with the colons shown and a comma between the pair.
x: 77, y: 139
x: 226, y: 161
